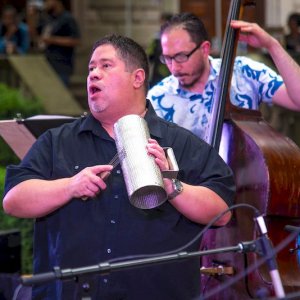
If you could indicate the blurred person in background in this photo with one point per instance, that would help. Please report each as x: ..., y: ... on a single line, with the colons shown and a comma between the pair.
x: 158, y: 69
x: 59, y: 37
x: 292, y: 39
x: 35, y: 18
x: 14, y: 35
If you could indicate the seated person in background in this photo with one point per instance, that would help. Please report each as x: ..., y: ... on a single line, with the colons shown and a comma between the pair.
x: 292, y: 39
x: 14, y: 36
x: 186, y: 97
x: 62, y: 169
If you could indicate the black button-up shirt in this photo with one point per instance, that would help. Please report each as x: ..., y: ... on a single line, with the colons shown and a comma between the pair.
x: 84, y: 233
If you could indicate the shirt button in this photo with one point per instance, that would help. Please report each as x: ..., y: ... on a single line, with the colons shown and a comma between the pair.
x: 105, y: 280
x: 112, y: 221
x: 108, y: 250
x: 118, y: 171
x: 116, y: 197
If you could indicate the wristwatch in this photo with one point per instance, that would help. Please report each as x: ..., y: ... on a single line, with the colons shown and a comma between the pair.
x: 177, y: 189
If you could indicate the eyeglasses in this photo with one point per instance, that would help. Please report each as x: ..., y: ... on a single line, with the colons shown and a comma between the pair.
x: 179, y: 57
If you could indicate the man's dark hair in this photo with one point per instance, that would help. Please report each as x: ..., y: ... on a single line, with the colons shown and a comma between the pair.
x: 165, y: 16
x: 294, y: 17
x: 133, y: 55
x: 189, y: 22
x: 66, y: 4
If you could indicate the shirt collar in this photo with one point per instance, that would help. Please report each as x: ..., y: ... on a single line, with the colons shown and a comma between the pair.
x: 152, y: 121
x: 215, y: 66
x: 89, y: 123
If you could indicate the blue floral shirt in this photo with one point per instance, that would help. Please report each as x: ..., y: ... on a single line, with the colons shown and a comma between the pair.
x: 252, y: 83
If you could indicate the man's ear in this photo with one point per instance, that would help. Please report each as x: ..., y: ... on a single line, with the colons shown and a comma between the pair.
x: 138, y: 78
x: 206, y: 47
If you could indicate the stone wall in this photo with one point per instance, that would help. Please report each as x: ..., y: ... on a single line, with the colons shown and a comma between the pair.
x: 138, y: 19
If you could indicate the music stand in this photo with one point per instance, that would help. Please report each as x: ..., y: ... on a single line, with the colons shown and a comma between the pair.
x: 20, y: 134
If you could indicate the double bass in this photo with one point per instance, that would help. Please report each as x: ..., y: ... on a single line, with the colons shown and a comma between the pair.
x: 266, y: 167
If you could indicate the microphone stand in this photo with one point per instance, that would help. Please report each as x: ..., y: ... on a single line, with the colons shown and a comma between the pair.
x: 106, y: 267
x: 262, y: 246
x: 268, y: 251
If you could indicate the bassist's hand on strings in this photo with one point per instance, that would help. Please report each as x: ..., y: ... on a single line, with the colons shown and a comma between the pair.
x: 287, y: 95
x: 252, y: 34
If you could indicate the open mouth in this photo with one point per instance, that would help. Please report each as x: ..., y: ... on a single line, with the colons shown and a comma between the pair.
x: 94, y: 90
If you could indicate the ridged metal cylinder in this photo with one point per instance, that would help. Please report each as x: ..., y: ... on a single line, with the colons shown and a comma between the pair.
x: 143, y: 178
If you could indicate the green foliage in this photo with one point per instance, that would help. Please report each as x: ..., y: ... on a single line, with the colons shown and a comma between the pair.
x: 7, y: 156
x: 24, y: 225
x: 13, y: 104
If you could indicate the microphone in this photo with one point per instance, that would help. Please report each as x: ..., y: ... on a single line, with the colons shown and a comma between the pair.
x: 268, y: 251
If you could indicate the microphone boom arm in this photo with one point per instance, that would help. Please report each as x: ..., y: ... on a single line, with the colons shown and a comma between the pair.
x: 106, y: 267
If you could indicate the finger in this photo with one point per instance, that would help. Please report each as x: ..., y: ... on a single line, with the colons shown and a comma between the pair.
x: 246, y: 30
x: 153, y: 144
x: 89, y: 196
x: 91, y: 191
x: 156, y: 151
x: 162, y: 164
x: 152, y: 141
x: 89, y: 181
x: 101, y: 168
x: 94, y: 187
x: 98, y: 182
x: 244, y: 38
x: 104, y: 175
x: 160, y: 156
x: 239, y: 23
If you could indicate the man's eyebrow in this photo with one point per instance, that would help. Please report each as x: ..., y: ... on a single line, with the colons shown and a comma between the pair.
x: 178, y: 53
x: 101, y: 60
